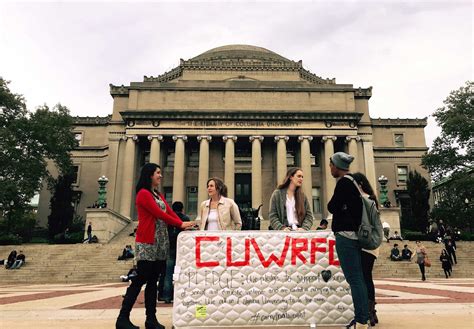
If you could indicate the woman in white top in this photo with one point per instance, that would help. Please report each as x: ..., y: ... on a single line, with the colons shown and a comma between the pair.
x: 289, y: 206
x: 219, y: 212
x: 368, y: 257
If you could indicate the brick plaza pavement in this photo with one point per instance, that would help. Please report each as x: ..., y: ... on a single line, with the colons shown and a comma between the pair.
x: 407, y: 303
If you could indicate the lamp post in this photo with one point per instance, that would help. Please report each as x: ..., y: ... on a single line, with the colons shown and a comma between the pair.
x: 383, y: 191
x: 102, y: 200
x: 466, y: 203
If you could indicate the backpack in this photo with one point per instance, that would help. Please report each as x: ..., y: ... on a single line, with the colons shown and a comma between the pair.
x: 370, y: 231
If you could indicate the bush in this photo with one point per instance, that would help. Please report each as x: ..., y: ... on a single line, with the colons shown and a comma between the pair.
x: 466, y: 236
x: 7, y: 239
x: 415, y: 235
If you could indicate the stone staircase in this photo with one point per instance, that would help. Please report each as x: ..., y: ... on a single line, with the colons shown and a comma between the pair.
x: 97, y: 263
x: 385, y: 268
x: 70, y: 263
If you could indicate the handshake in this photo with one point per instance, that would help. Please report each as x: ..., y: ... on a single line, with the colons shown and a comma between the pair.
x: 190, y: 226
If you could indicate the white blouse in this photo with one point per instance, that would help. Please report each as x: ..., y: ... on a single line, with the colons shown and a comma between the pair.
x: 291, y: 212
x: 213, y: 220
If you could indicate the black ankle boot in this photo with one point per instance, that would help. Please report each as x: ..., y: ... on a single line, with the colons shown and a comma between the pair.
x: 152, y: 323
x: 124, y: 323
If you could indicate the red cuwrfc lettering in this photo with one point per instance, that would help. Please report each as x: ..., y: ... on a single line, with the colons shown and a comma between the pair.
x: 200, y: 263
x: 272, y: 257
x: 296, y: 250
x: 314, y: 248
x: 244, y: 262
x: 332, y: 261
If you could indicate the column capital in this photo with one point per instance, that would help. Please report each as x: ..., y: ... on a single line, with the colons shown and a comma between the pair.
x: 252, y: 138
x: 302, y: 138
x: 133, y: 137
x: 285, y: 138
x: 232, y: 137
x: 183, y: 137
x: 204, y: 137
x: 158, y: 137
x: 349, y: 138
x: 328, y: 138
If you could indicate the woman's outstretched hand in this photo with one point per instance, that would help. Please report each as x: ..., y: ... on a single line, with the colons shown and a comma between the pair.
x: 188, y: 225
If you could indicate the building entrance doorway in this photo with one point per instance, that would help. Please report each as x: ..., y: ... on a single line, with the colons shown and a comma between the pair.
x: 243, y: 190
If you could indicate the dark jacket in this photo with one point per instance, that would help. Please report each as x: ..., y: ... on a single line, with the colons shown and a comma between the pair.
x: 345, y: 206
x: 277, y: 213
x: 173, y: 231
x: 445, y: 262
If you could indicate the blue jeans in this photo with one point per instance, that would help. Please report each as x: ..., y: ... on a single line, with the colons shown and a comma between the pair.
x: 165, y: 288
x: 348, y: 252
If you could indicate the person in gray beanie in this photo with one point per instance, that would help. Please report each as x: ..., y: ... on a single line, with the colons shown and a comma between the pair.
x: 342, y: 160
x: 346, y: 207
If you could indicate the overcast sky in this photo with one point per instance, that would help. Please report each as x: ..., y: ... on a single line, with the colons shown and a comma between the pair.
x: 412, y: 53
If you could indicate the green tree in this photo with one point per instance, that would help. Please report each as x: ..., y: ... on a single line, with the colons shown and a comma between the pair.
x: 451, y: 158
x: 417, y: 188
x: 453, y: 151
x: 27, y: 140
x: 451, y: 207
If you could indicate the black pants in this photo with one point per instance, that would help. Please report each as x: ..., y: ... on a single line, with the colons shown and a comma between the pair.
x: 452, y: 255
x: 447, y: 272
x: 422, y: 270
x: 147, y: 273
x: 368, y: 261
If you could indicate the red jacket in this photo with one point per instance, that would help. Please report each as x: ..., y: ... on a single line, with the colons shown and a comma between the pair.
x: 148, y: 213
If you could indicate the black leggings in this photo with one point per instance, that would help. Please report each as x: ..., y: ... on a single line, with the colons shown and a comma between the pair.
x: 148, y: 273
x: 422, y: 270
x: 368, y: 261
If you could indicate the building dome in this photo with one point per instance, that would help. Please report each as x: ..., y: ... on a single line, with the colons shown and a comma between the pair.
x: 240, y: 52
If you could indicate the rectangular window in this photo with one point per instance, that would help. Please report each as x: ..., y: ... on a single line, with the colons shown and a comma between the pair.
x: 192, y: 200
x: 399, y: 140
x: 402, y: 174
x: 290, y: 159
x: 75, y: 175
x: 168, y: 191
x: 316, y: 200
x: 78, y: 138
x: 170, y: 159
x: 193, y: 160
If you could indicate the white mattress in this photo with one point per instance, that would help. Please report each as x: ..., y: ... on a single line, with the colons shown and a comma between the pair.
x: 292, y: 293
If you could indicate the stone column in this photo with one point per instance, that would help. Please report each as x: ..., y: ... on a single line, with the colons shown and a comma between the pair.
x: 128, y: 175
x: 369, y: 163
x: 256, y: 170
x: 203, y: 167
x: 229, y: 167
x: 352, y: 150
x: 155, y: 148
x: 330, y: 182
x: 306, y: 167
x: 281, y: 157
x: 112, y: 165
x: 179, y: 169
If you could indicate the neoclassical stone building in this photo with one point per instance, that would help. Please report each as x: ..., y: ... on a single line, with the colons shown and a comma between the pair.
x: 245, y: 114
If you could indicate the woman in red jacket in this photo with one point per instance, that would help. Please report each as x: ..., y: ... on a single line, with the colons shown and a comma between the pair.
x: 152, y: 246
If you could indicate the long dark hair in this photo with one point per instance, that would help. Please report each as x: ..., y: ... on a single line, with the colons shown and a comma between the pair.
x: 299, y: 196
x: 365, y: 186
x: 145, y: 176
x: 221, y: 188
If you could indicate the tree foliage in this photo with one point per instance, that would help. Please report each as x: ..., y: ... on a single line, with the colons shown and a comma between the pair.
x: 451, y: 206
x: 453, y: 151
x: 27, y: 140
x: 419, y: 192
x: 61, y: 204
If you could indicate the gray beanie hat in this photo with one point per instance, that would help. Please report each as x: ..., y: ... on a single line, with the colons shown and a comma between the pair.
x: 342, y: 160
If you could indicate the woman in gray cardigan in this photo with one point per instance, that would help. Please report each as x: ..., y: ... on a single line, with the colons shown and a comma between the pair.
x: 289, y: 207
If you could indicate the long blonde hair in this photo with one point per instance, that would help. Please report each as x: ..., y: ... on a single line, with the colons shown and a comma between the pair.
x: 299, y: 195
